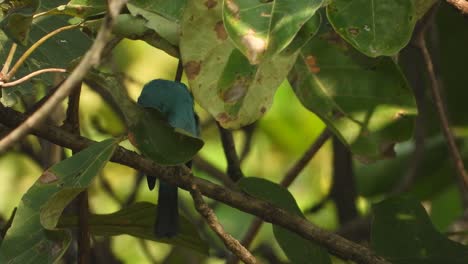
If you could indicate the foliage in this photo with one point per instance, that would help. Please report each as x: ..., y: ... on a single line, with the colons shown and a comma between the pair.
x: 350, y: 63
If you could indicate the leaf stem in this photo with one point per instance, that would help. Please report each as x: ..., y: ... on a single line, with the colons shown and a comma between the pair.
x: 8, y: 61
x: 29, y: 76
x: 31, y: 49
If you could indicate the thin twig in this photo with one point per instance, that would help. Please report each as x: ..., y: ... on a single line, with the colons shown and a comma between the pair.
x: 443, y: 117
x: 461, y: 5
x: 29, y: 76
x: 90, y: 59
x: 248, y: 132
x: 180, y: 176
x: 233, y: 163
x: 230, y: 242
x: 289, y: 177
x: 9, y: 59
x: 31, y: 49
x: 146, y: 251
x: 216, y: 173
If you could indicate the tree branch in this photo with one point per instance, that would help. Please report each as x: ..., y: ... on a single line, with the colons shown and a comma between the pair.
x: 230, y: 242
x: 461, y: 5
x: 443, y: 117
x: 90, y: 59
x: 233, y: 163
x: 29, y: 76
x: 179, y: 176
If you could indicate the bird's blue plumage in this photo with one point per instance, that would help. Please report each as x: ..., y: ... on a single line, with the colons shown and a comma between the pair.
x: 175, y: 102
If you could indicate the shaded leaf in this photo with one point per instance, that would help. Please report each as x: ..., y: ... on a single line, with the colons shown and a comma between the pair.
x: 260, y: 28
x: 32, y: 235
x: 403, y: 234
x: 210, y: 60
x: 17, y: 19
x: 162, y: 16
x: 374, y: 27
x: 138, y: 220
x: 298, y: 249
x: 366, y: 102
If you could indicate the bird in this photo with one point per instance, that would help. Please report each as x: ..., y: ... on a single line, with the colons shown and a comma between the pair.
x: 175, y: 102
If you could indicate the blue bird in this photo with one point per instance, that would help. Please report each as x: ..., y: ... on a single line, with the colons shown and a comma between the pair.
x: 175, y: 102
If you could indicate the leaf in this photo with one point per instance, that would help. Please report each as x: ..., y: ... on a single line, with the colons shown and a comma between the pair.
x: 374, y: 27
x: 422, y: 6
x: 306, y: 33
x: 18, y: 17
x: 403, y: 234
x: 210, y: 59
x: 298, y: 249
x: 366, y: 102
x: 27, y: 240
x: 260, y: 28
x: 162, y: 16
x: 138, y: 220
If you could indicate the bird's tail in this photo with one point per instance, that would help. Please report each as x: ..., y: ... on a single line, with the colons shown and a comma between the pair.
x: 167, y: 220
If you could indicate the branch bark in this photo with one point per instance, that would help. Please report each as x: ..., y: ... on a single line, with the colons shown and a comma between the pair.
x: 461, y: 5
x: 179, y: 176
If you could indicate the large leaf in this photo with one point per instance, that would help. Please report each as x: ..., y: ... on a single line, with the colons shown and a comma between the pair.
x: 403, y: 234
x: 162, y: 16
x: 365, y: 102
x: 32, y: 237
x: 16, y: 22
x: 222, y: 80
x: 138, y: 220
x: 265, y: 27
x: 374, y: 27
x: 298, y: 249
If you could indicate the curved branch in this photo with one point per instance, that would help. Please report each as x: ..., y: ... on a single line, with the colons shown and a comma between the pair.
x: 461, y: 5
x: 180, y: 176
x: 29, y: 76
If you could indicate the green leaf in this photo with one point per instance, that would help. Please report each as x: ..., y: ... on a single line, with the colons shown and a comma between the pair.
x: 366, y: 102
x: 422, y: 6
x: 374, y: 27
x: 298, y: 249
x: 210, y: 59
x: 138, y: 220
x: 43, y: 203
x: 306, y: 33
x: 260, y: 28
x: 17, y: 19
x: 403, y: 234
x: 162, y: 16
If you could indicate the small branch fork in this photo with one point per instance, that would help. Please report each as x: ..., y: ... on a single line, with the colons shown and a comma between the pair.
x: 230, y: 242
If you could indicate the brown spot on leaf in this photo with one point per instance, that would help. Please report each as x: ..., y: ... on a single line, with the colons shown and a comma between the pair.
x: 192, y: 69
x: 221, y: 33
x: 237, y: 90
x: 263, y: 110
x: 210, y: 3
x: 334, y: 39
x: 48, y: 177
x: 256, y: 46
x: 233, y: 8
x: 224, y: 118
x: 311, y: 62
x: 353, y: 31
